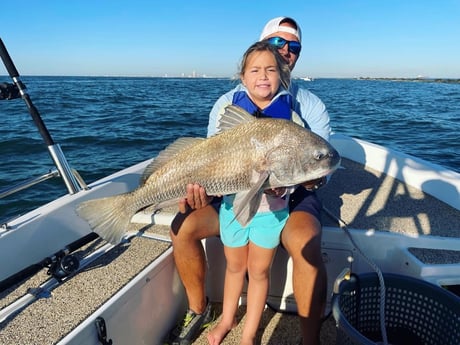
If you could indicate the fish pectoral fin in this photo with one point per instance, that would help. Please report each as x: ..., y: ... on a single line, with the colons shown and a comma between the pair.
x: 246, y: 203
x: 245, y: 208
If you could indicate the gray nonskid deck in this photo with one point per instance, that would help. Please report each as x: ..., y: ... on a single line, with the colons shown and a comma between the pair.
x: 275, y: 329
x: 48, y: 320
x: 367, y: 199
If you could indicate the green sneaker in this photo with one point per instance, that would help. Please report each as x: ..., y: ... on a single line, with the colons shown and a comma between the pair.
x: 191, y: 326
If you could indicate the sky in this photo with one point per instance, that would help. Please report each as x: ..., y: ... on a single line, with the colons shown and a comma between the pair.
x: 341, y: 38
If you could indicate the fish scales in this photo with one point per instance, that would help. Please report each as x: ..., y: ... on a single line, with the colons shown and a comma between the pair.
x: 219, y: 167
x: 214, y: 164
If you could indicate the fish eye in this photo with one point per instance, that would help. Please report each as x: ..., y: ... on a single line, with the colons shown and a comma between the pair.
x: 318, y: 155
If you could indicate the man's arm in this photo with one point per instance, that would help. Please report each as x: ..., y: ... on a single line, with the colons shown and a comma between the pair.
x: 312, y: 110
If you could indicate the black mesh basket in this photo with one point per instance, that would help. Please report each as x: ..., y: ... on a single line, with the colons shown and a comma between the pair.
x: 416, y: 312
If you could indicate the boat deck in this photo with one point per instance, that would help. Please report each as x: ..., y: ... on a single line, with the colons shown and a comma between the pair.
x: 364, y: 199
x: 51, y: 317
x: 367, y: 199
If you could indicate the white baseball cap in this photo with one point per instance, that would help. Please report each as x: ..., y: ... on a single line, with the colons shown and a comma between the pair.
x: 274, y: 26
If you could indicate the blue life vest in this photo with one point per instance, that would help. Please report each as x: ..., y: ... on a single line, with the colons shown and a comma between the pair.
x: 280, y: 108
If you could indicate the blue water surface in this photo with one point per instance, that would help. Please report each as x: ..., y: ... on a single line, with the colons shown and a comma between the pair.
x: 104, y: 124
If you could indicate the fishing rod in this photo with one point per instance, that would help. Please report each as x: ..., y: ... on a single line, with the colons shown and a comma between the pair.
x: 54, y: 149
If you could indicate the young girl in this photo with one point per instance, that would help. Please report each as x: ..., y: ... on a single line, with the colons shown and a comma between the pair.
x: 265, y: 77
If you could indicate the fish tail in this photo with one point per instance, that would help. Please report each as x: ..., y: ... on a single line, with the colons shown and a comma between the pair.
x: 108, y: 217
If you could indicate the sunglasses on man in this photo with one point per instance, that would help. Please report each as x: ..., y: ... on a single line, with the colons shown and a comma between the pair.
x: 279, y: 42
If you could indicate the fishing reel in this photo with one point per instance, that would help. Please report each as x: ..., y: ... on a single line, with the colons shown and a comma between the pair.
x: 61, y: 266
x: 9, y: 91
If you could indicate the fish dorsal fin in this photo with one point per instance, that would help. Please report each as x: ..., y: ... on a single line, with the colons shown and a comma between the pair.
x: 233, y: 116
x: 247, y: 203
x: 165, y: 155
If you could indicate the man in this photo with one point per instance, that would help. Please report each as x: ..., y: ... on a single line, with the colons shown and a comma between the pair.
x: 301, y: 236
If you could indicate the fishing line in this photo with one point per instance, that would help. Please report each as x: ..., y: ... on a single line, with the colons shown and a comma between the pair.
x: 344, y: 226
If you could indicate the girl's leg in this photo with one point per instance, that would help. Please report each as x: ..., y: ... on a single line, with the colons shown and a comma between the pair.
x: 234, y: 281
x: 259, y: 262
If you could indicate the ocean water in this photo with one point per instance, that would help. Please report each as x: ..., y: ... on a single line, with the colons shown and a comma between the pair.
x: 104, y: 124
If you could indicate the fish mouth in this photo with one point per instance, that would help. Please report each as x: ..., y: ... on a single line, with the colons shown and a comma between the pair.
x: 331, y: 170
x: 334, y: 158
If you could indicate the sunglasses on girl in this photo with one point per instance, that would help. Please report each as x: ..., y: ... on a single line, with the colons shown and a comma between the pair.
x: 293, y: 46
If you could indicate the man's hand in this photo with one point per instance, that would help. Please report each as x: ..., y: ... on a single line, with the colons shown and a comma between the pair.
x: 196, y: 198
x: 314, y: 184
x: 280, y: 191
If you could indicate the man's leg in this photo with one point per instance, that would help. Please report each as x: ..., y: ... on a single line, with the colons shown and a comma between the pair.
x: 187, y: 231
x: 301, y: 237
